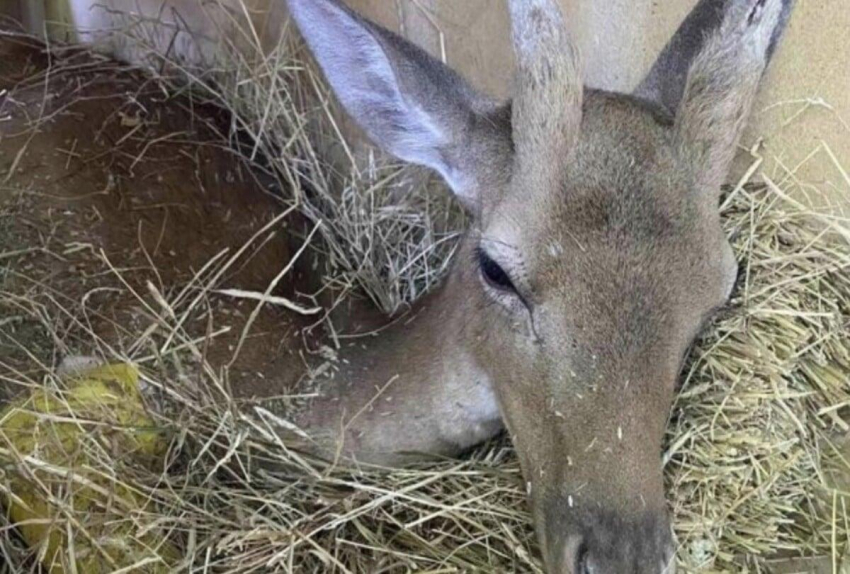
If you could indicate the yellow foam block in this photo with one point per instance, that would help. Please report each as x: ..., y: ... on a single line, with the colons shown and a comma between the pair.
x: 70, y: 507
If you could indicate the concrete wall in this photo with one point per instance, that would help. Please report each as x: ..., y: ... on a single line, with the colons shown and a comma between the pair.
x: 803, y: 110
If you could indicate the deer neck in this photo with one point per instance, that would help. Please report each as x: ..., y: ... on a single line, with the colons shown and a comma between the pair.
x: 412, y: 385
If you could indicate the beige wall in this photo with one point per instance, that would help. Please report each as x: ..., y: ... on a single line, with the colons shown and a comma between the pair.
x: 805, y: 106
x: 803, y: 109
x: 618, y: 38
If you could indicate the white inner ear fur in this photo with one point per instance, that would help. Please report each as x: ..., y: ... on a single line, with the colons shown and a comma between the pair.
x: 359, y: 70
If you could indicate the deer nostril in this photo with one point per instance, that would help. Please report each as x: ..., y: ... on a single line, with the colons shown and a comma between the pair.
x: 582, y: 560
x: 570, y: 556
x: 608, y: 544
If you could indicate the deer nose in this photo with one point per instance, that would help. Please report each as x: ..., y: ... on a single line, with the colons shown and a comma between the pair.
x: 628, y: 551
x: 578, y: 559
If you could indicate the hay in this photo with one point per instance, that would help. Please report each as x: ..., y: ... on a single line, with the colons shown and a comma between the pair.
x: 755, y: 459
x: 387, y: 231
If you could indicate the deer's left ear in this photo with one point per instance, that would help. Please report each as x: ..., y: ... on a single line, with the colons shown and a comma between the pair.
x: 666, y: 80
x: 410, y: 104
x: 726, y: 45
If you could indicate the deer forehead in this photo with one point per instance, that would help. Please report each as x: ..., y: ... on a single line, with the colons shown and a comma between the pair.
x: 621, y: 176
x: 621, y: 143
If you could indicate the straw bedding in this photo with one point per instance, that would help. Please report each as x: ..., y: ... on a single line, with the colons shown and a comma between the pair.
x: 755, y: 459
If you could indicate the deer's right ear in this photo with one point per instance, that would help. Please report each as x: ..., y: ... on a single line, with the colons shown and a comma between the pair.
x: 410, y: 104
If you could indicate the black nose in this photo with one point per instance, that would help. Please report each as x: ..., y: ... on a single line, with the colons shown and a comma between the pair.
x: 585, y: 561
x: 582, y: 560
x: 606, y: 543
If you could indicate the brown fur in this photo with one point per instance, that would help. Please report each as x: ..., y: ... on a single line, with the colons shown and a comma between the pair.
x: 603, y: 217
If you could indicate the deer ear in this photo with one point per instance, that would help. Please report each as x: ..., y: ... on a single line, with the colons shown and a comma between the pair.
x: 410, y: 104
x: 721, y: 83
x: 665, y: 82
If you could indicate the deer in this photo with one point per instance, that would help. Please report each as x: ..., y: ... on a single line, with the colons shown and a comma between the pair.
x: 595, y: 257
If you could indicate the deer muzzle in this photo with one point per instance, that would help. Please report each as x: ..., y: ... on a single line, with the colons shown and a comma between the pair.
x: 600, y: 540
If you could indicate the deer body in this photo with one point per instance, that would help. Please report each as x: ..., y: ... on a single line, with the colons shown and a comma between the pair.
x: 595, y: 257
x: 434, y: 395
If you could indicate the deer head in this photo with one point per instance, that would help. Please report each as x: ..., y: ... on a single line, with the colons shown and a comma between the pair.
x: 597, y: 251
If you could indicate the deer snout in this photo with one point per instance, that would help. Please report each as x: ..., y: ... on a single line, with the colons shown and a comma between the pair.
x: 607, y: 544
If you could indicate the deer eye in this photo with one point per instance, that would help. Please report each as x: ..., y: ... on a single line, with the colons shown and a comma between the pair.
x: 492, y: 272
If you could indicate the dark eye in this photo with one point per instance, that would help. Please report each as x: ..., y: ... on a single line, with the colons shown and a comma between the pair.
x: 493, y: 273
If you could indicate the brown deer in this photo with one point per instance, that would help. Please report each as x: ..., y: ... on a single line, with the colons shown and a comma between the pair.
x: 596, y: 256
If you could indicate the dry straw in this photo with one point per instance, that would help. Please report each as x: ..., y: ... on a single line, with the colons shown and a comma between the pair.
x: 755, y: 460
